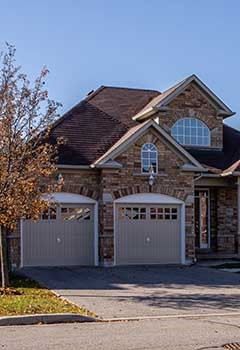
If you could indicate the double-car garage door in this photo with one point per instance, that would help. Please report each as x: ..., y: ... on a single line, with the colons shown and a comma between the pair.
x: 147, y: 230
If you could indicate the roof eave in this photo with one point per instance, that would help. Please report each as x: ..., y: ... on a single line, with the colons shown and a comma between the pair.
x: 226, y: 111
x: 145, y: 114
x: 191, y: 168
x: 69, y: 166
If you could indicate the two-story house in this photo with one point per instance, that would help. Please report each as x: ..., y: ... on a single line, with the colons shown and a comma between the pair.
x: 149, y: 178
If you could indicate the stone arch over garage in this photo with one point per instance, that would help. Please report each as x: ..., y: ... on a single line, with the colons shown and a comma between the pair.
x: 157, y: 189
x: 79, y: 189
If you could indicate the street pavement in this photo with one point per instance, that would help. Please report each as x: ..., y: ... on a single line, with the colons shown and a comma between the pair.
x: 155, y: 334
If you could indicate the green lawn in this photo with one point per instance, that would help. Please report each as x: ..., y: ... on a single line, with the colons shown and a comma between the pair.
x: 26, y: 297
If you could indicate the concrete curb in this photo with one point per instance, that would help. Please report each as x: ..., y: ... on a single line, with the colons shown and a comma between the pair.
x: 175, y: 316
x: 45, y: 319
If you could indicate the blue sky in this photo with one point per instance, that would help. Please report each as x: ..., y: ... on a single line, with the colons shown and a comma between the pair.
x: 143, y: 43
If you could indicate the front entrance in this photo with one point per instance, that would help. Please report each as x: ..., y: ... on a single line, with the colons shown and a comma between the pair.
x: 202, y: 229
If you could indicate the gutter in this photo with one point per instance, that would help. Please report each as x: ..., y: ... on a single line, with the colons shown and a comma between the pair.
x: 233, y: 173
x: 65, y: 166
x: 146, y: 114
x: 207, y: 175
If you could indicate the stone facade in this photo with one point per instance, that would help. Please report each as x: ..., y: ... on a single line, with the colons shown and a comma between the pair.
x: 192, y: 103
x: 129, y: 180
x: 108, y: 184
x: 227, y: 221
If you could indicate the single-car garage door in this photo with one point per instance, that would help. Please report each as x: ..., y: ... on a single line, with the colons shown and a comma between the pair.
x: 64, y: 235
x: 148, y: 233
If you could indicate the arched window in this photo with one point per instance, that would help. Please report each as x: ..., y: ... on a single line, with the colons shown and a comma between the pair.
x: 149, y: 158
x: 191, y: 132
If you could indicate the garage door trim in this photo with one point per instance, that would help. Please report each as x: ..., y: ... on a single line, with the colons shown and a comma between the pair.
x: 70, y: 198
x: 152, y: 198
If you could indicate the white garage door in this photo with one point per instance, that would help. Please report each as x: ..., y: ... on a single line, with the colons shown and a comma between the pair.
x: 148, y: 234
x: 63, y: 236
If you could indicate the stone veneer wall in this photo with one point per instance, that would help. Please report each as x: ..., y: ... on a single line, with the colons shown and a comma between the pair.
x: 192, y: 103
x: 14, y: 246
x: 227, y: 220
x: 128, y: 180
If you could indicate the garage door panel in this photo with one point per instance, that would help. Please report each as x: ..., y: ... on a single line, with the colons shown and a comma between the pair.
x: 78, y: 243
x: 58, y: 242
x: 156, y: 239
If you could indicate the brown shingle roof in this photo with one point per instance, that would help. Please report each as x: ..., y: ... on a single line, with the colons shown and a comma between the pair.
x: 161, y: 97
x: 99, y: 121
x: 121, y: 103
x: 88, y: 132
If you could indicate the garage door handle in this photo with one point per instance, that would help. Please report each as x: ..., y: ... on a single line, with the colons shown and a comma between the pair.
x: 148, y: 240
x: 59, y: 240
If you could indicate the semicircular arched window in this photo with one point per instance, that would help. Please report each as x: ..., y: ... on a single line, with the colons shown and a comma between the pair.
x: 191, y: 132
x: 149, y: 158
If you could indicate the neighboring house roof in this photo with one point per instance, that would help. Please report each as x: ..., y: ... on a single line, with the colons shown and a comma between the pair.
x: 221, y: 159
x: 104, y: 120
x: 168, y: 95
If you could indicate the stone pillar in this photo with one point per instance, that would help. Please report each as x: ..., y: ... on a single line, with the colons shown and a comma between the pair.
x: 238, y: 215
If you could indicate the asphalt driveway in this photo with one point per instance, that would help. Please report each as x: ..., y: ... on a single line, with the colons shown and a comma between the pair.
x: 144, y: 290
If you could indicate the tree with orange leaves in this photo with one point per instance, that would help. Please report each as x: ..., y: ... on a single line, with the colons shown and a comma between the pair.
x: 26, y: 158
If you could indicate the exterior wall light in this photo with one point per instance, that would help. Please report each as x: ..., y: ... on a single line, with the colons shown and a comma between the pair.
x: 60, y: 179
x: 151, y: 176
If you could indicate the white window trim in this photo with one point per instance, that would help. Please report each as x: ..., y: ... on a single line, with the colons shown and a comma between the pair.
x: 184, y: 134
x: 147, y: 173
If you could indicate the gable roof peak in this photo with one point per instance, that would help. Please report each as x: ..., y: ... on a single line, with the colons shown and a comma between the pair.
x: 133, y: 134
x: 168, y: 95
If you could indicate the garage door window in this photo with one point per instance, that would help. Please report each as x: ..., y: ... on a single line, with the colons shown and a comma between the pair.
x: 49, y: 214
x: 162, y: 213
x: 135, y: 213
x: 75, y: 213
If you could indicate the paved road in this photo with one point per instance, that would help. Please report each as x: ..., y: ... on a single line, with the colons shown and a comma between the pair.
x: 172, y: 334
x: 144, y: 290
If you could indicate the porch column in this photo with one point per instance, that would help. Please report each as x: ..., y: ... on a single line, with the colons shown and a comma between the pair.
x: 238, y: 212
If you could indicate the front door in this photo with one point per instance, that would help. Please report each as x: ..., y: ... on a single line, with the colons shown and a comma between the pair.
x: 202, y: 219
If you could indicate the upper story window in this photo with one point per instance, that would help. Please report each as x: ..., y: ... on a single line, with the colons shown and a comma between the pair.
x: 149, y: 158
x: 191, y: 132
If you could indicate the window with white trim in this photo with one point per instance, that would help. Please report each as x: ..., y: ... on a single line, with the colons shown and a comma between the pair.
x: 149, y: 158
x: 191, y: 132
